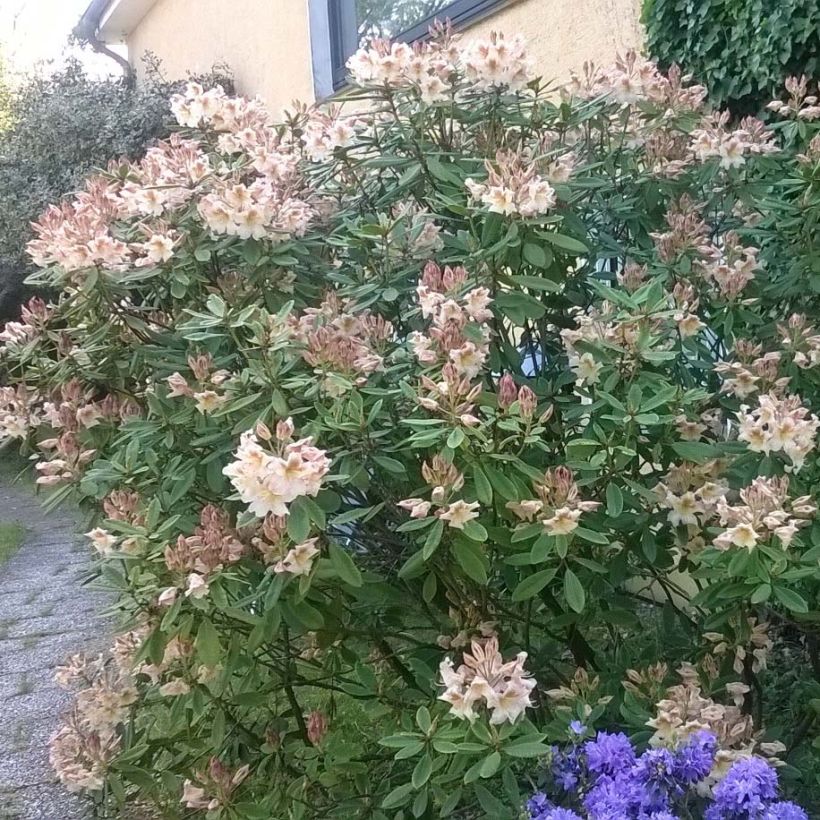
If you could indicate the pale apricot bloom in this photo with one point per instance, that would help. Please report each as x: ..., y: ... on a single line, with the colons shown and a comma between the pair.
x: 459, y: 513
x: 484, y: 678
x: 207, y: 401
x: 299, y: 559
x: 102, y: 540
x: 175, y: 687
x: 417, y: 507
x: 563, y: 522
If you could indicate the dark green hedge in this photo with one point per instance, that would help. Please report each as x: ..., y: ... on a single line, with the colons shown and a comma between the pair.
x: 62, y: 127
x: 741, y: 50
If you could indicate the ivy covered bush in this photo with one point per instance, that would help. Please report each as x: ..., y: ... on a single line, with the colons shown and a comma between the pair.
x: 421, y: 436
x: 741, y: 50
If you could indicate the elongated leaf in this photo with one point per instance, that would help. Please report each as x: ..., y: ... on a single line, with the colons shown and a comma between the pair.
x: 576, y: 597
x: 345, y: 568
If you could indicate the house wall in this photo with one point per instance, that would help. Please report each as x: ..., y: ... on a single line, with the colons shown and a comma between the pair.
x: 267, y: 42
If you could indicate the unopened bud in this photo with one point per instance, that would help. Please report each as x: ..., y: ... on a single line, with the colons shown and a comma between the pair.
x: 507, y: 391
x: 263, y: 431
x: 317, y: 726
x: 284, y: 430
x: 527, y: 402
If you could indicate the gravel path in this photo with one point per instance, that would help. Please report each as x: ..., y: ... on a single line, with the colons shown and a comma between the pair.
x: 46, y: 614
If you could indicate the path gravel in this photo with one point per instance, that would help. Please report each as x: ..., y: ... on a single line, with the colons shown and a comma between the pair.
x: 46, y: 614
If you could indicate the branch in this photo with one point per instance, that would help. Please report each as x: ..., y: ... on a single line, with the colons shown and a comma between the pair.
x: 87, y: 33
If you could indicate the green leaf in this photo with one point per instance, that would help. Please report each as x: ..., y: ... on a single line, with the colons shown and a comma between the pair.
x: 468, y: 558
x: 475, y: 531
x: 207, y: 644
x: 398, y: 741
x: 483, y: 488
x: 576, y: 597
x: 790, y: 599
x: 490, y: 765
x: 526, y: 748
x: 433, y: 539
x: 389, y: 464
x: 761, y: 594
x: 532, y: 585
x: 564, y: 242
x: 298, y: 522
x: 614, y: 500
x: 536, y: 255
x: 422, y: 772
x: 398, y: 797
x: 491, y: 805
x: 345, y: 568
x: 696, y: 451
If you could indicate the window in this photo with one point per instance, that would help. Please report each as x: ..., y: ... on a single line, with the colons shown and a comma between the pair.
x: 339, y: 27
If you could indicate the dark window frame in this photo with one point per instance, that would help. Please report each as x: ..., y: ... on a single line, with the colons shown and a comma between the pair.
x: 343, y: 28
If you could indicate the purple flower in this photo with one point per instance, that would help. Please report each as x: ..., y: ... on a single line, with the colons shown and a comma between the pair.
x: 566, y: 768
x: 538, y: 805
x: 614, y: 798
x: 577, y: 728
x: 694, y: 761
x: 785, y: 810
x: 743, y: 794
x: 609, y: 753
x: 561, y: 814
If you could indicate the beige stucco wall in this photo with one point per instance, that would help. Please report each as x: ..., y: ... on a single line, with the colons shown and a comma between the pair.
x: 563, y: 34
x: 267, y: 42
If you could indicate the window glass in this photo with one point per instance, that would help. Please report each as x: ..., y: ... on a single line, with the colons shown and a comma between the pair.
x: 389, y: 18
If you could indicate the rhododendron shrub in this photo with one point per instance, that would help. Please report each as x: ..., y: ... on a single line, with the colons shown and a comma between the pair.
x: 401, y: 423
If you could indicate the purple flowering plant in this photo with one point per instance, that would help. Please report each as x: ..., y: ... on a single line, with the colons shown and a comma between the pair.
x: 605, y: 778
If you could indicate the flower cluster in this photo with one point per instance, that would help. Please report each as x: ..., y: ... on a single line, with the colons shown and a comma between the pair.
x: 218, y: 783
x: 19, y: 412
x: 632, y: 78
x: 605, y: 779
x: 801, y: 104
x: 81, y: 750
x: 264, y: 197
x: 213, y: 545
x: 34, y: 317
x: 731, y: 147
x: 209, y: 393
x: 484, y: 678
x: 558, y: 506
x: 445, y: 480
x: 457, y: 341
x: 765, y: 511
x: 268, y: 482
x: 433, y: 68
x: 513, y: 186
x: 751, y: 371
x: 779, y: 425
x: 342, y: 344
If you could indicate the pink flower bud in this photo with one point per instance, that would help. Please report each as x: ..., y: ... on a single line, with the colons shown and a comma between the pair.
x: 263, y: 431
x: 507, y: 391
x: 527, y: 402
x: 284, y: 430
x: 317, y: 726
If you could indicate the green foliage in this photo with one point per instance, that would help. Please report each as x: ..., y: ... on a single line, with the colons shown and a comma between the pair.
x: 741, y: 50
x: 54, y: 130
x: 349, y: 396
x: 11, y: 537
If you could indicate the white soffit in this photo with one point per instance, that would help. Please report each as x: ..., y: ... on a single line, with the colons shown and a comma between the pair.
x: 121, y: 18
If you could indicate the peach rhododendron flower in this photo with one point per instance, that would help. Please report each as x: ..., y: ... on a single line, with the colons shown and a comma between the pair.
x: 484, y: 679
x: 267, y: 483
